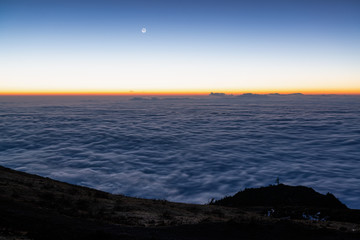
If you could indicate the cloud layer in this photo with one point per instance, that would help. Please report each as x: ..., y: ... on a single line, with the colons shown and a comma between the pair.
x: 190, y: 149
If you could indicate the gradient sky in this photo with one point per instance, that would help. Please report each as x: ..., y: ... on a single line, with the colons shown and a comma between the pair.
x: 189, y: 46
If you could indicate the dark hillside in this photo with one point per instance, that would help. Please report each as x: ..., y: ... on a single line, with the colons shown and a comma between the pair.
x: 33, y: 207
x: 291, y: 202
x: 282, y: 195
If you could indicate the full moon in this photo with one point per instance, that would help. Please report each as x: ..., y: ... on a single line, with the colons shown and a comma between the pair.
x: 143, y: 30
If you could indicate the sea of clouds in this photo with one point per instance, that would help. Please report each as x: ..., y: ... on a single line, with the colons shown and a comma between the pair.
x: 186, y: 149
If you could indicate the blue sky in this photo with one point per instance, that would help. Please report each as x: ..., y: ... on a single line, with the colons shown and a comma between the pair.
x: 188, y: 46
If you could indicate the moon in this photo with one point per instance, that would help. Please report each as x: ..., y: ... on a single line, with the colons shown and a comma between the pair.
x: 143, y: 30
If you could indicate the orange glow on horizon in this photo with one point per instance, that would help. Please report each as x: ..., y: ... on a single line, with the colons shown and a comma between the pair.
x: 184, y: 92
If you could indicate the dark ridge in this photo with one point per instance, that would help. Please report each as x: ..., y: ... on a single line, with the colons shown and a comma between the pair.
x: 282, y: 195
x: 217, y: 94
x: 37, y: 208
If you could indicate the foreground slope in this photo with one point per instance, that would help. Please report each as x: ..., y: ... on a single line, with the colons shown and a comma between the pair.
x: 33, y: 207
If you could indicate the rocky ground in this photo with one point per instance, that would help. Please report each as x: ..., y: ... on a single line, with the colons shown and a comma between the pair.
x: 33, y: 207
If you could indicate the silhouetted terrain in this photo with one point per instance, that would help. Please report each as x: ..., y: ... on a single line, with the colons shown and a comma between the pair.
x: 33, y: 207
x: 281, y: 195
x: 292, y: 202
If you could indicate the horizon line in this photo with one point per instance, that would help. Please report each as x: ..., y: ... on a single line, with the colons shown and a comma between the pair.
x: 171, y: 93
x: 238, y: 91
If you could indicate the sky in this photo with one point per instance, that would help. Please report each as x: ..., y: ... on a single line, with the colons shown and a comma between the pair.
x: 261, y: 46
